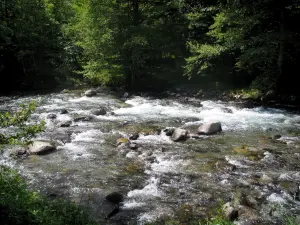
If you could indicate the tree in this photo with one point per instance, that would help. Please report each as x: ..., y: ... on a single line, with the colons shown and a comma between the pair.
x: 256, y: 35
x: 126, y: 41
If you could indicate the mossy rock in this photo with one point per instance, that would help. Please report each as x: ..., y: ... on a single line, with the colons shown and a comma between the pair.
x: 146, y: 129
x: 122, y: 141
x: 251, y: 154
x: 134, y: 168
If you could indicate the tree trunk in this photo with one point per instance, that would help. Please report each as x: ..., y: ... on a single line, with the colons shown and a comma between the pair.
x: 280, y: 59
x: 134, y: 67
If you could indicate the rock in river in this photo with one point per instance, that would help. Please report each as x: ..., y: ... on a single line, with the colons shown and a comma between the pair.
x: 114, y: 197
x: 179, y: 134
x: 210, y: 128
x: 65, y: 124
x: 99, y: 112
x: 41, y: 147
x: 51, y: 116
x: 90, y: 93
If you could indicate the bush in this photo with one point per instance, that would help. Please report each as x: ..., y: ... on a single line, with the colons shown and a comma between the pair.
x: 20, y: 206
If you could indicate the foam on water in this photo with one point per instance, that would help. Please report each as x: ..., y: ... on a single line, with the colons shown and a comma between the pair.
x: 148, y: 192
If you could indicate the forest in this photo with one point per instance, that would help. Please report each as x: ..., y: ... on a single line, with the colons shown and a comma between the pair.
x: 144, y: 44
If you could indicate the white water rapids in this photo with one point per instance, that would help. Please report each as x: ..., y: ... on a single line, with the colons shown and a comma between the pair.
x: 173, y: 174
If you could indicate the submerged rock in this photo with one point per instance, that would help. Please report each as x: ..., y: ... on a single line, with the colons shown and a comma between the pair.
x: 114, y: 197
x: 90, y: 93
x: 210, y: 128
x: 51, y: 116
x: 179, y: 135
x: 134, y: 136
x: 41, y: 147
x: 83, y: 118
x: 64, y: 111
x: 65, y: 124
x: 99, y: 112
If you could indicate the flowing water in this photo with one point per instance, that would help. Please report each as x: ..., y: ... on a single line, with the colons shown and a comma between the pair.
x: 242, y: 164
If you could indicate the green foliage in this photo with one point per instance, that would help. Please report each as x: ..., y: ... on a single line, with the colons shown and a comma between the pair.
x: 253, y: 37
x: 21, y: 132
x: 127, y: 41
x: 19, y: 206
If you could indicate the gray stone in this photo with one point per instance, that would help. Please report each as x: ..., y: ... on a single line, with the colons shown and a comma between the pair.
x: 51, y: 116
x: 169, y: 131
x: 179, y: 135
x: 41, y: 147
x: 90, y: 93
x: 65, y: 124
x: 83, y: 118
x: 210, y: 128
x: 99, y: 112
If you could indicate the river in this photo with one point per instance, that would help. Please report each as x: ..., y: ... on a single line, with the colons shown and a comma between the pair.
x: 243, y: 164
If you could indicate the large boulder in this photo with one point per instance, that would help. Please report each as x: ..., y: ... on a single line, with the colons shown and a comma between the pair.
x: 179, y: 135
x: 41, y: 147
x: 99, y: 112
x: 115, y: 197
x: 210, y: 128
x: 90, y: 93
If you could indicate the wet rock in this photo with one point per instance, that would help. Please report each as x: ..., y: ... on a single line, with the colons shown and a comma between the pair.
x: 99, y: 112
x: 134, y: 136
x: 230, y: 212
x: 21, y: 152
x: 227, y: 110
x: 249, y: 215
x: 82, y: 118
x: 41, y: 147
x: 51, y: 116
x: 122, y: 141
x: 126, y: 95
x: 114, y: 197
x: 133, y: 146
x: 169, y: 131
x: 276, y: 136
x: 64, y: 111
x: 90, y: 93
x: 65, y: 124
x: 210, y: 128
x: 179, y: 135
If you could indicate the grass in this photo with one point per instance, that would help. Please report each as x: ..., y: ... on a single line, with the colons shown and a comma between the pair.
x: 19, y: 206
